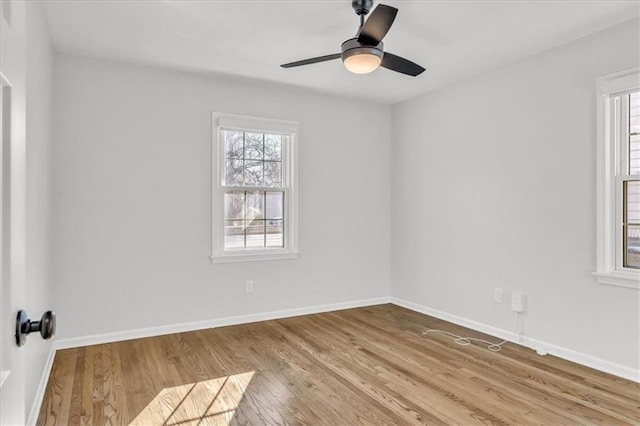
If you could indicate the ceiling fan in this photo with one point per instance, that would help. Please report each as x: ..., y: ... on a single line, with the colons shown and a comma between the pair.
x: 365, y: 52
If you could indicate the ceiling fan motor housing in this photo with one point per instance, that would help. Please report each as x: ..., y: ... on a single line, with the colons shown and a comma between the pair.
x: 362, y: 7
x: 353, y: 47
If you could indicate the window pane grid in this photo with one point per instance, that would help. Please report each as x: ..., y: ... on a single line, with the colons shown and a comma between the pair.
x: 634, y: 133
x: 253, y: 159
x: 254, y: 189
x: 634, y: 113
x: 631, y: 224
x: 253, y: 215
x: 253, y: 219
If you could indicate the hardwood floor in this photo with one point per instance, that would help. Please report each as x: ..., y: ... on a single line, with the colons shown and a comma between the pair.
x: 358, y: 366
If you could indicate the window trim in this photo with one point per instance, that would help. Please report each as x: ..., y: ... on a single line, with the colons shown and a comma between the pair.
x: 609, y: 194
x: 290, y: 188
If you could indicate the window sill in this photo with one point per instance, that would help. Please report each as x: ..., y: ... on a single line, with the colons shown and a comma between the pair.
x: 256, y: 256
x: 620, y: 279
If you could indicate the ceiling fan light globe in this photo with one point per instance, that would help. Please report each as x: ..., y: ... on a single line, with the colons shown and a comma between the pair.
x: 362, y: 63
x: 361, y: 58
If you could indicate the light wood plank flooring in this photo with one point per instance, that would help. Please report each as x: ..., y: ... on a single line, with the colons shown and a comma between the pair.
x: 358, y: 366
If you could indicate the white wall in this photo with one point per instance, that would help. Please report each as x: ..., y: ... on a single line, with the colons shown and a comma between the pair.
x: 494, y: 186
x: 38, y: 227
x: 132, y: 182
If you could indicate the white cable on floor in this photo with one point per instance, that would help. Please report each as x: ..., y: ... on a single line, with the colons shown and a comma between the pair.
x: 465, y: 341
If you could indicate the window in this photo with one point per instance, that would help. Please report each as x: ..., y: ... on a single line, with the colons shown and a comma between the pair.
x: 254, y: 189
x: 619, y: 179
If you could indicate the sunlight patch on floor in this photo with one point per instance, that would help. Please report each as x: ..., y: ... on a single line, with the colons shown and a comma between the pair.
x: 207, y: 402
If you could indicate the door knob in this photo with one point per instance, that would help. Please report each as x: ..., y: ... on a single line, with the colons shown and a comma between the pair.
x: 46, y: 326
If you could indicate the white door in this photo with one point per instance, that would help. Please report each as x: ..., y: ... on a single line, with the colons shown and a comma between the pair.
x: 12, y: 176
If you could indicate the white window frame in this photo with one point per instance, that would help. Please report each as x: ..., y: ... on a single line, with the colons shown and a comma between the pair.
x: 290, y: 187
x: 610, y: 159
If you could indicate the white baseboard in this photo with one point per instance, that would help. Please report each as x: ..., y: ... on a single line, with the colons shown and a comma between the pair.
x: 535, y: 344
x: 42, y: 387
x: 214, y: 323
x: 177, y: 328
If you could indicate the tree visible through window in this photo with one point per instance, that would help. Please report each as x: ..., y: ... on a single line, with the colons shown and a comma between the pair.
x: 253, y: 202
x: 255, y: 189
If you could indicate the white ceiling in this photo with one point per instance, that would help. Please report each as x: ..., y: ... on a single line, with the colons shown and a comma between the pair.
x: 451, y: 39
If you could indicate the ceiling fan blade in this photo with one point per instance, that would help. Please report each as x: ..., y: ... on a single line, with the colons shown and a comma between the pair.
x: 401, y: 65
x: 377, y: 25
x: 312, y: 60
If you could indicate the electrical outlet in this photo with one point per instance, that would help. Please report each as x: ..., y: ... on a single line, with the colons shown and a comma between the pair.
x: 497, y: 295
x: 518, y: 302
x: 249, y: 286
